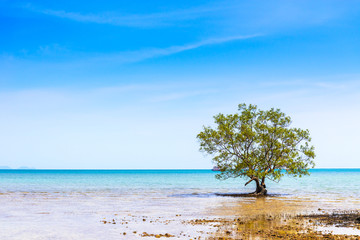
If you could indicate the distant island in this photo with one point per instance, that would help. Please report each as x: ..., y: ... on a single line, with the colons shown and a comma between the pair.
x: 5, y: 167
x: 22, y: 167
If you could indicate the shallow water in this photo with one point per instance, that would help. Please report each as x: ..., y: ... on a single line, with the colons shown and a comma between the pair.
x: 71, y: 204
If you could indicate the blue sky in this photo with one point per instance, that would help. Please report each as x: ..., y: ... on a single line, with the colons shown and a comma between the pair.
x: 129, y: 84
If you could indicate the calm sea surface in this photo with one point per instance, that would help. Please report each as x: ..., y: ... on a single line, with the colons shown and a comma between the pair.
x: 70, y: 204
x: 344, y: 182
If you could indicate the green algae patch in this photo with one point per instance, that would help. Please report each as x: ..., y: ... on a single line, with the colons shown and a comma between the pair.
x: 279, y: 226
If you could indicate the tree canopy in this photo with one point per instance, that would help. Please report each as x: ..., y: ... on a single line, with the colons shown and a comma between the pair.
x: 258, y: 145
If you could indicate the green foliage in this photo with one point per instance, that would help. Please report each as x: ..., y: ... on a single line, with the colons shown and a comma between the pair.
x: 257, y: 144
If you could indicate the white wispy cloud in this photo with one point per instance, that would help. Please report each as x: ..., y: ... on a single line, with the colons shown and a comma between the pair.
x: 132, y: 20
x: 79, y: 58
x: 258, y: 14
x: 140, y: 55
x: 67, y: 64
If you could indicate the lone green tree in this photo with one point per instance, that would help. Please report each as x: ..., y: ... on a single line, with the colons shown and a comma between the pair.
x: 257, y: 145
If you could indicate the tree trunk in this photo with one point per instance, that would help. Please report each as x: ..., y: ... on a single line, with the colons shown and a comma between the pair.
x: 260, y: 188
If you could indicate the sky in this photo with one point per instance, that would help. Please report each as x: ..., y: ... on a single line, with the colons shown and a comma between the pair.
x: 129, y: 84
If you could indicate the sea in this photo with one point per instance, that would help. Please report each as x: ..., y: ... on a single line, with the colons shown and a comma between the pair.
x: 80, y: 204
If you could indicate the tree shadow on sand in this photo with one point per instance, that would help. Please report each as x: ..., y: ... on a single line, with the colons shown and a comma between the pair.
x: 251, y: 195
x: 234, y: 195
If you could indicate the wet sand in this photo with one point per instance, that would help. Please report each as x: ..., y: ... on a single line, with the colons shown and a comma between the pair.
x: 271, y: 217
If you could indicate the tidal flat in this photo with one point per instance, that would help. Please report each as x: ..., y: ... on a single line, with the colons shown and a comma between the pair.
x: 89, y: 216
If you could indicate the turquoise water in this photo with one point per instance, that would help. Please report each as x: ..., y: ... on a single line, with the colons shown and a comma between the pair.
x: 321, y: 181
x: 70, y: 204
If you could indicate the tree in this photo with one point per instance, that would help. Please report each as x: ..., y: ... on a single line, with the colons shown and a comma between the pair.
x: 258, y: 145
